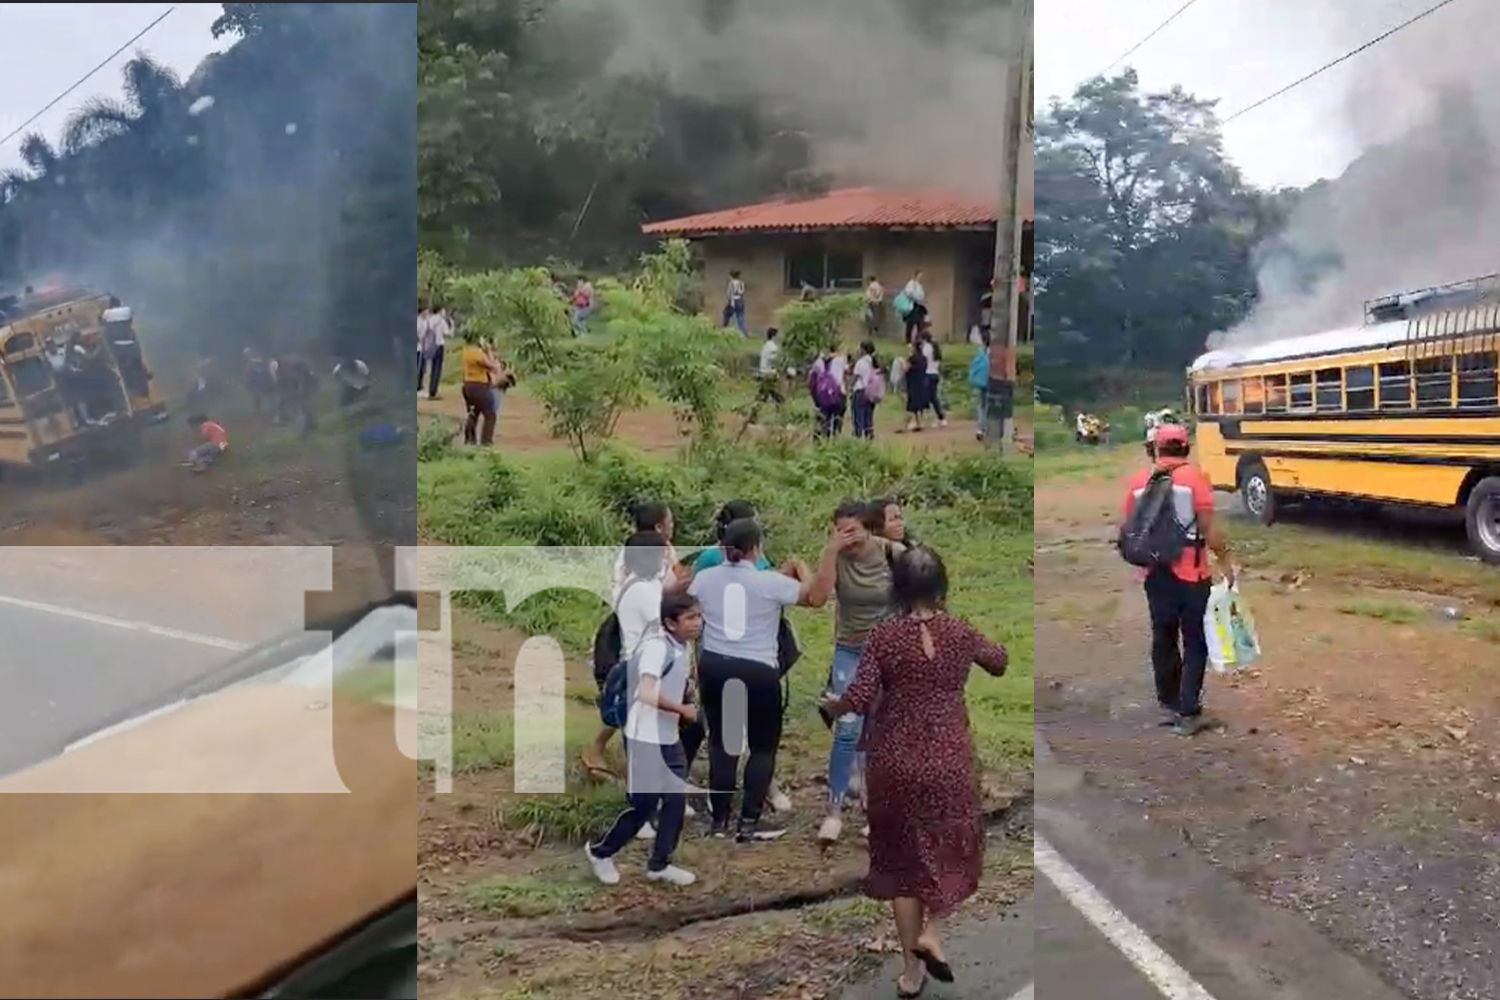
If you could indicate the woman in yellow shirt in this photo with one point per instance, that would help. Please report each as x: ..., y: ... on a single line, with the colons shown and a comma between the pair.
x: 480, y: 371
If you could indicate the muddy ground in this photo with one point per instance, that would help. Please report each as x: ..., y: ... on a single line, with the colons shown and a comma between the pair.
x: 1355, y: 776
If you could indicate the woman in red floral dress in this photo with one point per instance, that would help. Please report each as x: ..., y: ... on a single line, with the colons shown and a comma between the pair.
x: 926, y: 834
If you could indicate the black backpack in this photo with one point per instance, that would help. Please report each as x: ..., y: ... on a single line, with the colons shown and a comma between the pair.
x: 609, y: 641
x: 1151, y: 536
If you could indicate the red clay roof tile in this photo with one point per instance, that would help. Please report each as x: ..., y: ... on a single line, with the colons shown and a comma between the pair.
x: 849, y: 208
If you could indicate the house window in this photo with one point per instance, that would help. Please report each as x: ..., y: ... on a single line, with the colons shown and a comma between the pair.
x: 825, y: 270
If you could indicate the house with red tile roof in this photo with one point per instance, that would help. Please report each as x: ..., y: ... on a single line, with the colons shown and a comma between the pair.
x: 838, y: 240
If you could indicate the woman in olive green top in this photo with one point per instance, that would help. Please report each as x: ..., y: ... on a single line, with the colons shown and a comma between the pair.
x: 864, y: 600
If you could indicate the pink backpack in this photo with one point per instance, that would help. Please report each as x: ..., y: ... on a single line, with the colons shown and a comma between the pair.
x: 875, y: 386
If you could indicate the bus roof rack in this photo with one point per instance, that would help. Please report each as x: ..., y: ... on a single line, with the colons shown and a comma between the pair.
x: 1457, y: 294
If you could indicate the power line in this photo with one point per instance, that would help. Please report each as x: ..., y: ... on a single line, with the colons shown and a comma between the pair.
x: 86, y: 77
x: 1343, y: 58
x: 1152, y: 34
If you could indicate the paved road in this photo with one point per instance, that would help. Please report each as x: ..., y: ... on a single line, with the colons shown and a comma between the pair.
x: 61, y: 674
x: 991, y: 961
x: 1127, y: 909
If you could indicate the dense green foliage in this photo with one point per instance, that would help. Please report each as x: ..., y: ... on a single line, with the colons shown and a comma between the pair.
x: 269, y: 198
x: 1149, y: 238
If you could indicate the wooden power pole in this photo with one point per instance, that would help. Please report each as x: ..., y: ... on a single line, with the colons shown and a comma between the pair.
x: 1016, y: 162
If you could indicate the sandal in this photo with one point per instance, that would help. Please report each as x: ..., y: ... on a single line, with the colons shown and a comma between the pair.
x: 599, y: 771
x: 936, y: 967
x: 909, y: 994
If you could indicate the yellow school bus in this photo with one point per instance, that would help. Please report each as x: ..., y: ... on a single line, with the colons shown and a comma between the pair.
x: 1403, y: 410
x: 74, y: 382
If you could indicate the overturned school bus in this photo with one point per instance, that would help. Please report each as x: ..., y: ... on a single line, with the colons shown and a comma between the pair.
x: 74, y: 382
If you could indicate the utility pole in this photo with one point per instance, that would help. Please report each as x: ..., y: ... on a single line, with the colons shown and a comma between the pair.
x: 1016, y: 162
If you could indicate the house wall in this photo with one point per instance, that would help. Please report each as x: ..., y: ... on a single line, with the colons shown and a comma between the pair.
x: 891, y: 257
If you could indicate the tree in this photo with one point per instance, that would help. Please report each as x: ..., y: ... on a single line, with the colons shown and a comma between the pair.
x: 1147, y: 232
x: 269, y: 198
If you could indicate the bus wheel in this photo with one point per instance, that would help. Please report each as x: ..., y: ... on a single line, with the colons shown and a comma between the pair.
x: 1256, y: 493
x: 1482, y: 518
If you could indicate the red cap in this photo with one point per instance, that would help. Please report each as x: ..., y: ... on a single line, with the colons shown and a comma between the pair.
x: 1171, y: 432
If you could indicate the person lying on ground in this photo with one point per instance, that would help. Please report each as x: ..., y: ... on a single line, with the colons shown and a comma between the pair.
x: 213, y: 442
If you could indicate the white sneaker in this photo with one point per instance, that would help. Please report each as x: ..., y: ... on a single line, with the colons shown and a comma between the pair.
x: 604, y: 868
x: 672, y: 875
x: 648, y: 832
x: 688, y: 812
x: 780, y: 802
x: 831, y: 829
x: 865, y: 833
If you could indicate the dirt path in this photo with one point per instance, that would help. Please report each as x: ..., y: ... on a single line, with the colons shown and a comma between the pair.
x: 1357, y: 772
x: 522, y: 427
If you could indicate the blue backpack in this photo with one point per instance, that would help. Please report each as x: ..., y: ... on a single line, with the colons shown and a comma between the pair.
x: 979, y: 370
x: 615, y: 698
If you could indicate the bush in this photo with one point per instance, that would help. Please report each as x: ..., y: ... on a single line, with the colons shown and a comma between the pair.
x: 479, y: 499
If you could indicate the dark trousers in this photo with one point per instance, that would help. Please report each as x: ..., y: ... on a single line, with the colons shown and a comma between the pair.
x: 1179, y: 647
x: 934, y: 396
x: 864, y: 415
x: 913, y: 320
x: 830, y: 421
x: 432, y: 367
x: 763, y: 706
x: 644, y: 806
x: 479, y: 425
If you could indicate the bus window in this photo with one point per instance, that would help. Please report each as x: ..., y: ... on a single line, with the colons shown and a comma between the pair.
x: 1435, y: 383
x: 5, y: 398
x: 1275, y: 393
x: 1255, y: 395
x: 1331, y: 389
x: 32, y: 375
x: 1477, y: 381
x: 1359, y: 389
x: 1230, y: 389
x: 1213, y: 398
x: 1302, y: 392
x: 1395, y: 386
x: 1202, y: 394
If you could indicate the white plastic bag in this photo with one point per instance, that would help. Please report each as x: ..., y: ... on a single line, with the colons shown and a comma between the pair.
x: 1233, y: 643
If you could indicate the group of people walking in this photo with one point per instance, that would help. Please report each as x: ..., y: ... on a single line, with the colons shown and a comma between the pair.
x: 707, y: 649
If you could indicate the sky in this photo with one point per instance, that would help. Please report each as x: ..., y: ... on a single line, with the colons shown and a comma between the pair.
x: 1239, y: 51
x: 49, y: 46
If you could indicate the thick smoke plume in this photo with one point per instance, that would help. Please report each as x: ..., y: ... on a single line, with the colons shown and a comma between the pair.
x: 882, y: 102
x: 1421, y: 205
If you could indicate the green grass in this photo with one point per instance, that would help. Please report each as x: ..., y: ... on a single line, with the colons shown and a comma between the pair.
x: 975, y: 510
x: 1395, y: 613
x: 1361, y: 563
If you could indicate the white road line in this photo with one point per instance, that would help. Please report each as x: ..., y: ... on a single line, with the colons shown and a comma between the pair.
x: 1171, y: 979
x: 159, y: 631
x: 1029, y: 993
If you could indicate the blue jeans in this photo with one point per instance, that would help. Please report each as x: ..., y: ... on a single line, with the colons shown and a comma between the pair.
x: 735, y: 312
x: 981, y: 412
x: 844, y: 756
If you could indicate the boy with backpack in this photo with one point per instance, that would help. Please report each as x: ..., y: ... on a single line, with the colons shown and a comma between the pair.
x: 657, y: 775
x: 1168, y: 529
